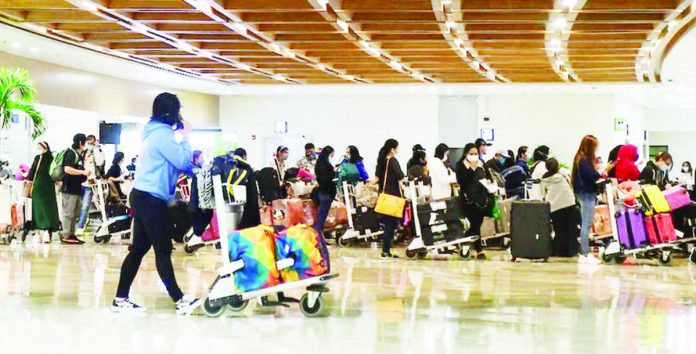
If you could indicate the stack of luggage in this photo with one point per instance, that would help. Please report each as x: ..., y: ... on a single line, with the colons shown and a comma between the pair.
x: 440, y: 221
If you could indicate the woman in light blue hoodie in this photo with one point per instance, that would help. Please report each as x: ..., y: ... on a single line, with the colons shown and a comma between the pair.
x: 161, y: 160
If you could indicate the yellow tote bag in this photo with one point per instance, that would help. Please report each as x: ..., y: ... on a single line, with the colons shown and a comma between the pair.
x: 388, y: 204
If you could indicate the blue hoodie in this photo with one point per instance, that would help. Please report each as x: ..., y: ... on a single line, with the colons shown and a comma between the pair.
x: 161, y: 160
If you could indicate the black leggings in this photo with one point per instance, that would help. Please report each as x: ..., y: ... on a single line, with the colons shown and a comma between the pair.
x: 390, y: 224
x: 201, y: 220
x: 475, y: 217
x: 150, y: 229
x: 565, y: 225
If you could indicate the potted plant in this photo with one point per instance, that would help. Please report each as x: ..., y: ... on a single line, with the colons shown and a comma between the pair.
x: 17, y: 94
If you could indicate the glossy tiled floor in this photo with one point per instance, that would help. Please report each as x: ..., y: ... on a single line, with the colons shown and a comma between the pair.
x: 55, y: 299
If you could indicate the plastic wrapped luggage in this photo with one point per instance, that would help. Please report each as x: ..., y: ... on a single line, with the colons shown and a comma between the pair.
x: 256, y: 247
x: 601, y: 222
x: 366, y: 194
x: 488, y: 227
x: 660, y: 228
x: 630, y: 226
x: 530, y: 230
x: 338, y: 215
x: 304, y: 245
x: 653, y: 201
x: 677, y: 197
x: 290, y: 212
x: 502, y: 224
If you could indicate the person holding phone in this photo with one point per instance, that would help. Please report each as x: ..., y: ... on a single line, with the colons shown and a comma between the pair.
x: 161, y: 161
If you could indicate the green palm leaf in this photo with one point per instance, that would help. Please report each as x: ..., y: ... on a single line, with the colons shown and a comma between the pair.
x: 17, y: 93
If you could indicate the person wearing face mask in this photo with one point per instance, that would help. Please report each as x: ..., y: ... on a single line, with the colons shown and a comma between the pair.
x: 657, y: 172
x: 482, y: 147
x: 441, y: 176
x: 44, y: 205
x: 326, y: 191
x: 686, y: 178
x: 389, y: 175
x: 279, y: 162
x: 94, y: 162
x: 540, y: 155
x: 309, y: 160
x: 115, y: 175
x: 626, y: 169
x: 498, y: 162
x: 419, y: 169
x: 477, y: 199
x: 521, y: 159
x: 352, y: 168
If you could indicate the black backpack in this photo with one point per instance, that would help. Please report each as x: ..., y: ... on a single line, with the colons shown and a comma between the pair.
x: 269, y: 187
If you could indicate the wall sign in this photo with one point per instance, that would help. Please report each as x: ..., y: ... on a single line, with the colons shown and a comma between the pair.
x: 619, y: 124
x: 487, y: 134
x: 280, y: 127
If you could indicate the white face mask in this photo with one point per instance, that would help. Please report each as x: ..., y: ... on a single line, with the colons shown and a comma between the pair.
x: 446, y: 156
x: 472, y: 158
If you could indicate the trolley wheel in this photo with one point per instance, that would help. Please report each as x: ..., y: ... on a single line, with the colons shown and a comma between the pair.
x: 411, y: 254
x: 506, y: 243
x: 238, y: 305
x: 465, y: 252
x: 188, y: 237
x: 664, y: 258
x: 692, y: 257
x: 422, y: 254
x: 313, y: 311
x: 620, y: 258
x: 343, y: 242
x: 609, y: 258
x: 218, y: 246
x: 189, y: 250
x: 513, y: 259
x: 212, y: 310
x: 102, y: 239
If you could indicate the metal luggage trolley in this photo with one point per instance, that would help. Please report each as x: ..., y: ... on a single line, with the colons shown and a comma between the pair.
x: 355, y: 232
x: 223, y: 294
x: 615, y: 253
x: 100, y: 190
x: 418, y: 248
x: 15, y: 211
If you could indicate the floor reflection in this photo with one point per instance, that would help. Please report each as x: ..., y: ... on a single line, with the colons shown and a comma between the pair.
x: 430, y: 306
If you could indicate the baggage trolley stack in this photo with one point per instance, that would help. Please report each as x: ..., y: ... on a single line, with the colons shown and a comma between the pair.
x: 632, y: 237
x: 443, y: 219
x: 226, y: 292
x: 115, y: 222
x: 15, y: 212
x: 234, y: 209
x: 363, y: 223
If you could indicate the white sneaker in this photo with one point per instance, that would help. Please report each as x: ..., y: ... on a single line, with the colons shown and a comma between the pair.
x: 126, y: 305
x: 186, y: 305
x: 582, y: 259
x: 45, y: 238
x: 591, y: 259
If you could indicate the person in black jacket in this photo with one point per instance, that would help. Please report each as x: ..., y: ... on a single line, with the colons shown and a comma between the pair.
x: 251, y: 216
x: 657, y: 172
x: 389, y: 174
x: 326, y: 191
x: 477, y: 200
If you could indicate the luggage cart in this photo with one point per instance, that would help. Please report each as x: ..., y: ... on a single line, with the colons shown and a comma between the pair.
x: 615, y: 253
x: 418, y: 248
x: 223, y: 294
x: 235, y: 211
x: 354, y: 232
x: 119, y: 229
x: 13, y: 209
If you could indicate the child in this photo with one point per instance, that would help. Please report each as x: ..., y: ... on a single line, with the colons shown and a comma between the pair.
x: 564, y: 214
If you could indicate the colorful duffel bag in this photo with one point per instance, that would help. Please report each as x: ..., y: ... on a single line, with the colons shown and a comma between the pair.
x: 256, y: 247
x: 306, y: 247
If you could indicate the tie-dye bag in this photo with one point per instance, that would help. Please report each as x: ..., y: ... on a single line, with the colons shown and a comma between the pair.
x: 307, y: 248
x: 256, y: 247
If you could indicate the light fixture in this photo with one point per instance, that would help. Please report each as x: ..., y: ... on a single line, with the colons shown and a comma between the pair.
x: 202, y: 5
x: 140, y: 28
x: 458, y: 42
x: 559, y: 23
x: 645, y: 62
x: 33, y: 49
x: 570, y: 4
x: 16, y: 45
x: 396, y: 65
x: 239, y: 28
x: 36, y: 28
x: 186, y: 47
x: 243, y: 66
x: 693, y: 6
x: 451, y: 24
x: 555, y: 44
x: 348, y: 77
x: 364, y: 43
x: 275, y: 47
x: 343, y: 25
x: 559, y: 62
x: 88, y: 5
x: 321, y: 67
x: 446, y: 2
x: 324, y: 3
x: 671, y: 24
x: 279, y: 77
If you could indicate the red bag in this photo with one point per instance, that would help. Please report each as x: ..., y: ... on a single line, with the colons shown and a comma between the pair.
x: 212, y: 232
x: 660, y: 228
x: 601, y: 222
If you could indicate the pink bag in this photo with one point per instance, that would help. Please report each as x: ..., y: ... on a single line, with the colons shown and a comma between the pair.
x: 677, y: 197
x: 212, y: 232
x: 660, y: 228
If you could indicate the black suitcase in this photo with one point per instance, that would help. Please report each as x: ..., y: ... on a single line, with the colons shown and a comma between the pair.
x: 366, y: 219
x: 530, y: 230
x: 684, y: 220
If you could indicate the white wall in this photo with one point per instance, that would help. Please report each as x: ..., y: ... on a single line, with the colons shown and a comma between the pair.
x: 364, y: 121
x: 680, y: 145
x: 458, y: 120
x: 671, y: 119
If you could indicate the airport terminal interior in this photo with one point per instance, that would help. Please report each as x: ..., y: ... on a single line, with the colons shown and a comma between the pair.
x: 347, y: 176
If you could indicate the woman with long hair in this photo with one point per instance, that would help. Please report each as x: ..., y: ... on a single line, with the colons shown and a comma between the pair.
x: 558, y: 193
x: 585, y: 176
x: 352, y: 168
x: 326, y: 191
x: 44, y: 205
x: 476, y: 198
x: 441, y: 175
x: 115, y: 175
x: 388, y: 173
x: 419, y: 167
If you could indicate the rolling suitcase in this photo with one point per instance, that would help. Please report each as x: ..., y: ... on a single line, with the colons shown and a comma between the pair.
x: 677, y: 197
x: 631, y: 229
x: 366, y: 219
x: 653, y: 201
x: 530, y: 230
x: 502, y: 224
x: 660, y: 228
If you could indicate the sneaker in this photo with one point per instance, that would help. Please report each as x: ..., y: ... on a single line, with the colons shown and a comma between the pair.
x: 591, y: 259
x: 388, y: 255
x: 481, y: 256
x: 45, y: 238
x: 186, y: 305
x: 80, y: 232
x: 72, y: 240
x: 121, y: 305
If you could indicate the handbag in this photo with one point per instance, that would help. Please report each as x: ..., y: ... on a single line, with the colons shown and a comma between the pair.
x: 29, y: 186
x: 388, y: 204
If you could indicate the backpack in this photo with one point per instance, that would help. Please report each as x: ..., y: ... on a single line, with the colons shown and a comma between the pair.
x: 267, y: 179
x: 57, y: 169
x: 349, y: 172
x: 514, y: 180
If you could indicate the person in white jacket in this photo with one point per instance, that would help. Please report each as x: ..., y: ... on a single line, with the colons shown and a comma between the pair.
x: 441, y: 175
x: 557, y: 190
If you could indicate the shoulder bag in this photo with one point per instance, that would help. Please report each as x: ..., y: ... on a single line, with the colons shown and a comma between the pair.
x: 388, y: 204
x: 29, y: 185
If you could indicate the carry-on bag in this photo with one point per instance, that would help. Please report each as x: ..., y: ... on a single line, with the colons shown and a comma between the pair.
x: 306, y: 247
x: 530, y: 230
x: 502, y: 224
x: 212, y: 233
x: 630, y: 226
x: 653, y: 201
x: 256, y: 247
x: 290, y: 212
x: 685, y: 220
x: 601, y: 221
x: 488, y: 227
x: 660, y: 228
x: 677, y: 197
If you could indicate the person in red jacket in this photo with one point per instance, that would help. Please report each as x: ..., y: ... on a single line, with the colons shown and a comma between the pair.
x: 626, y: 169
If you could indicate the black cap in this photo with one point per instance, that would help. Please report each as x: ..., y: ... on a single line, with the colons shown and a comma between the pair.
x: 480, y: 142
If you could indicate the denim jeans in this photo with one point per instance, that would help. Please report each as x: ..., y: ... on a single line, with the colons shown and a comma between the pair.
x: 84, y: 210
x: 587, y: 210
x: 323, y: 212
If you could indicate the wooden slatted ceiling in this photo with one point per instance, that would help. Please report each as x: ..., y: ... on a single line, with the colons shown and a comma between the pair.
x: 509, y: 35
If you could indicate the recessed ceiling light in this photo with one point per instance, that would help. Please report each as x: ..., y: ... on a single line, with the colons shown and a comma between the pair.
x: 451, y: 24
x: 88, y: 5
x: 323, y: 3
x: 33, y: 49
x: 16, y: 45
x: 343, y: 25
x: 570, y: 4
x: 560, y: 23
x: 279, y: 77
